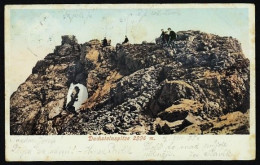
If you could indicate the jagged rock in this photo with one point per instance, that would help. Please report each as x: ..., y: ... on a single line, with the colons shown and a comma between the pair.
x: 171, y: 92
x: 55, y: 108
x: 57, y: 86
x: 180, y: 111
x: 69, y: 39
x: 109, y: 128
x: 231, y: 123
x: 199, y: 84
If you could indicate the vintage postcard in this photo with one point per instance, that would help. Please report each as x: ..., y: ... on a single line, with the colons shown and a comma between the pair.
x: 130, y: 82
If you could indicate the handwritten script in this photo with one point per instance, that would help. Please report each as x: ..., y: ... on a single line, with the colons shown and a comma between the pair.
x: 117, y: 147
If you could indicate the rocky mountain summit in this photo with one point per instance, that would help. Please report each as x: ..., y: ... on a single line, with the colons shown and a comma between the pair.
x: 200, y: 85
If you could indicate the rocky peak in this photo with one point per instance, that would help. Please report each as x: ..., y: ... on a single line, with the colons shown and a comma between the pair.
x: 69, y: 39
x: 191, y: 86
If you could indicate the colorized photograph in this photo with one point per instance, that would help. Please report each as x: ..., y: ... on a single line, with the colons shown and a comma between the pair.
x: 129, y: 71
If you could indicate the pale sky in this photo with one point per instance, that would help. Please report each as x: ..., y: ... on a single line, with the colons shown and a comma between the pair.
x: 35, y: 33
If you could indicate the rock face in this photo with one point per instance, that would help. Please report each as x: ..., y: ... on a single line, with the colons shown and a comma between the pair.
x: 198, y: 85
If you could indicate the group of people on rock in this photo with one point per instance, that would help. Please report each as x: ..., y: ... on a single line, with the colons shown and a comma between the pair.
x: 167, y: 37
x: 105, y: 42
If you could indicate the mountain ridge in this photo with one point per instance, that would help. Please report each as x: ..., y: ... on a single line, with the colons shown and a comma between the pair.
x: 200, y: 85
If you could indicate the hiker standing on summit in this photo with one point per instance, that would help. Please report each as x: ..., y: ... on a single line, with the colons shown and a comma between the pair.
x: 162, y: 36
x: 104, y: 42
x: 172, y: 36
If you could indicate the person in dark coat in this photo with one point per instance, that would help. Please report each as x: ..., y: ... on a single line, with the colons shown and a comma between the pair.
x: 104, y: 42
x: 162, y: 36
x: 172, y: 35
x: 126, y: 40
x: 74, y: 97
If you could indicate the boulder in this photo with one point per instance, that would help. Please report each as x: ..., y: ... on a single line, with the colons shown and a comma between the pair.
x: 109, y: 128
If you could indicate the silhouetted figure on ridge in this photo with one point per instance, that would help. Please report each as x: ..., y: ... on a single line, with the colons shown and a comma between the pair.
x: 126, y: 40
x: 172, y: 35
x: 162, y: 36
x: 104, y: 42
